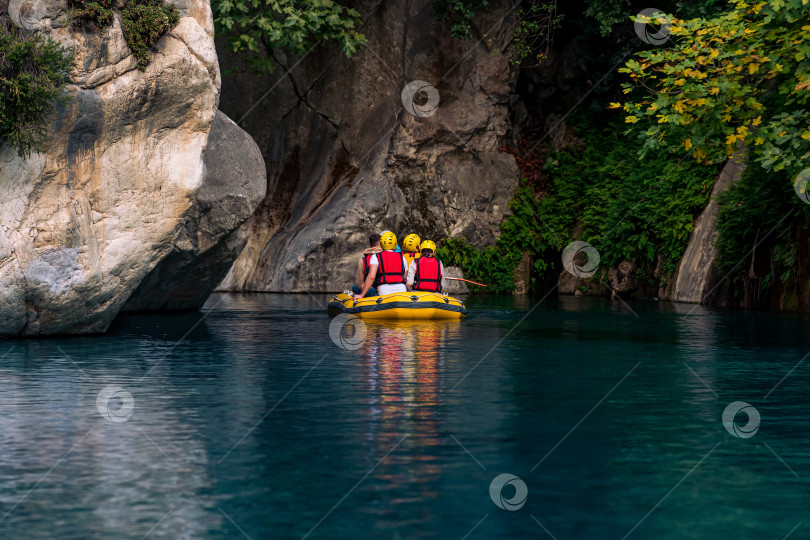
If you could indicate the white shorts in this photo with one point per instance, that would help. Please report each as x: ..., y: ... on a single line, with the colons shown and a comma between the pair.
x: 391, y: 288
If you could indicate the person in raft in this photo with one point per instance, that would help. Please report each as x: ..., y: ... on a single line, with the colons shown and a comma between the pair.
x: 362, y: 265
x: 427, y: 272
x: 410, y: 248
x: 385, y: 270
x: 397, y: 248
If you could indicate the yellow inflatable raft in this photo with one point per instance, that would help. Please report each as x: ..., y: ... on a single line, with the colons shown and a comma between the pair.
x: 399, y: 306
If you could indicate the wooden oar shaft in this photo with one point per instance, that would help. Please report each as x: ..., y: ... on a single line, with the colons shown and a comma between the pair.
x: 467, y: 280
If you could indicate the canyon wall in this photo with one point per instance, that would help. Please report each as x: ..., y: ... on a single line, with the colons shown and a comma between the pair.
x: 351, y: 147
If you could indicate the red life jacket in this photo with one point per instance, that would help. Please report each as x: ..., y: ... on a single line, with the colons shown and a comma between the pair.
x: 392, y: 268
x: 365, y: 271
x: 428, y: 275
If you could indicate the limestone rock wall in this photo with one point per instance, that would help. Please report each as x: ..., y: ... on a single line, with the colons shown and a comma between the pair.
x: 216, y: 228
x: 345, y: 157
x: 83, y: 223
x: 696, y: 272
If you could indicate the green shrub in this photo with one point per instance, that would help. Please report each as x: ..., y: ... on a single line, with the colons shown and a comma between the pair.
x: 94, y: 14
x: 33, y: 72
x: 143, y: 23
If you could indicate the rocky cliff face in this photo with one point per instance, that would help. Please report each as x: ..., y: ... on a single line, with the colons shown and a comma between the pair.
x: 216, y: 227
x: 696, y: 275
x: 349, y: 155
x: 83, y: 223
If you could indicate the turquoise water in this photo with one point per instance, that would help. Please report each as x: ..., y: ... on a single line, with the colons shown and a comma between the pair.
x: 252, y: 423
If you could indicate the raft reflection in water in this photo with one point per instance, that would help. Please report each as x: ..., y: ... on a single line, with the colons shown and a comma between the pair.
x: 403, y: 364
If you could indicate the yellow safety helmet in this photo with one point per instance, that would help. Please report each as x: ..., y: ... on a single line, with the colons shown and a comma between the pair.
x: 428, y: 244
x: 388, y: 240
x: 411, y: 243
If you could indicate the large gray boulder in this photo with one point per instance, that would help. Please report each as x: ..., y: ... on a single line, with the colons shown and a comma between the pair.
x: 82, y: 224
x: 453, y: 287
x: 348, y: 157
x: 215, y: 230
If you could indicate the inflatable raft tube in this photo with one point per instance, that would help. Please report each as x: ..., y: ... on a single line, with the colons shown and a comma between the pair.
x: 399, y: 306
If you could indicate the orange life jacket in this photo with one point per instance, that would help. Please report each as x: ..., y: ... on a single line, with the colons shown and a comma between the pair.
x: 411, y: 256
x: 428, y: 275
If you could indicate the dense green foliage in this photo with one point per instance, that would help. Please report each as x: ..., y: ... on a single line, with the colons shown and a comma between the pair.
x: 762, y: 210
x: 257, y: 27
x: 626, y: 207
x: 741, y: 77
x: 143, y: 22
x: 94, y: 14
x: 33, y: 72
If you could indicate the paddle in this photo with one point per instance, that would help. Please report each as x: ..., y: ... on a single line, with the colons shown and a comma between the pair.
x: 467, y: 280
